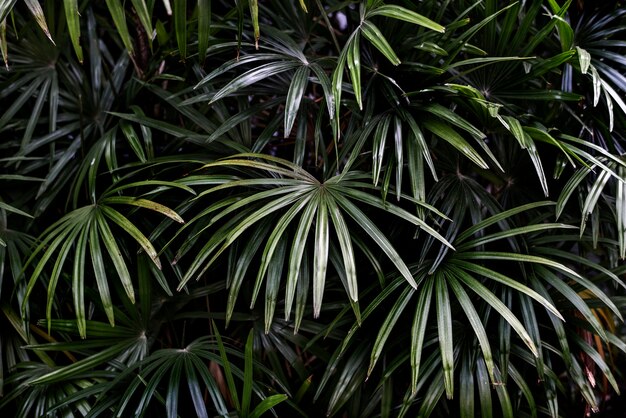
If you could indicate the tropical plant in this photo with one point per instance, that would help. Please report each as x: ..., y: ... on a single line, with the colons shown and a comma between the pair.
x: 356, y: 209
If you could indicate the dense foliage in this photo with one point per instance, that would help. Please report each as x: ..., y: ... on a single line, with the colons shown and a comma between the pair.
x: 350, y: 209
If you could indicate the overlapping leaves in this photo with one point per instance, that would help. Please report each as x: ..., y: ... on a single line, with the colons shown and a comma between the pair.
x: 282, y: 191
x: 88, y: 230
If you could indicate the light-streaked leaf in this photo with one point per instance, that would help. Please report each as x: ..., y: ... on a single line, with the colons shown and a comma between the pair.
x: 321, y: 254
x: 401, y: 13
x: 40, y: 18
x: 4, y: 48
x: 254, y: 14
x: 116, y: 256
x: 297, y: 251
x: 267, y: 404
x: 375, y: 36
x: 353, y: 60
x: 13, y: 209
x: 6, y: 7
x: 344, y: 238
x: 372, y: 230
x: 254, y: 75
x: 78, y: 281
x: 141, y: 8
x: 100, y: 272
x: 61, y: 373
x: 380, y: 139
x: 133, y: 140
x: 446, y: 337
x: 493, y: 275
x: 610, y: 93
x: 133, y: 231
x: 418, y: 330
x: 119, y: 19
x: 449, y: 135
x: 294, y: 97
x: 593, y: 196
x: 397, y: 136
x: 620, y: 210
x: 466, y: 390
x: 73, y: 25
x: 584, y: 59
x: 476, y: 323
x: 147, y: 204
x: 390, y: 322
x: 497, y: 304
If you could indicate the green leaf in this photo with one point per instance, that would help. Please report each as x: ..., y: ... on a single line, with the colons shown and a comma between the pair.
x: 254, y: 75
x: 372, y: 230
x: 375, y: 36
x: 88, y: 363
x: 399, y: 155
x: 144, y: 203
x: 246, y: 395
x: 356, y: 194
x: 401, y: 13
x: 566, y: 33
x: 390, y: 322
x: 267, y: 404
x: 432, y: 47
x: 515, y: 284
x: 378, y: 145
x: 10, y: 208
x: 57, y: 268
x: 119, y: 19
x: 73, y: 25
x: 141, y: 8
x: 497, y: 304
x: 484, y: 389
x: 227, y: 367
x: 344, y: 237
x: 204, y: 27
x: 297, y: 251
x: 180, y: 26
x: 100, y: 272
x: 327, y: 87
x: 294, y: 97
x: 513, y: 232
x: 133, y: 231
x: 525, y: 389
x: 416, y: 137
x: 452, y: 137
x: 320, y: 260
x: 272, y: 284
x: 418, y: 330
x: 593, y: 196
x: 500, y: 217
x: 446, y: 337
x: 466, y: 390
x: 116, y: 256
x: 354, y: 65
x: 458, y: 121
x: 574, y: 298
x: 476, y: 323
x: 4, y: 48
